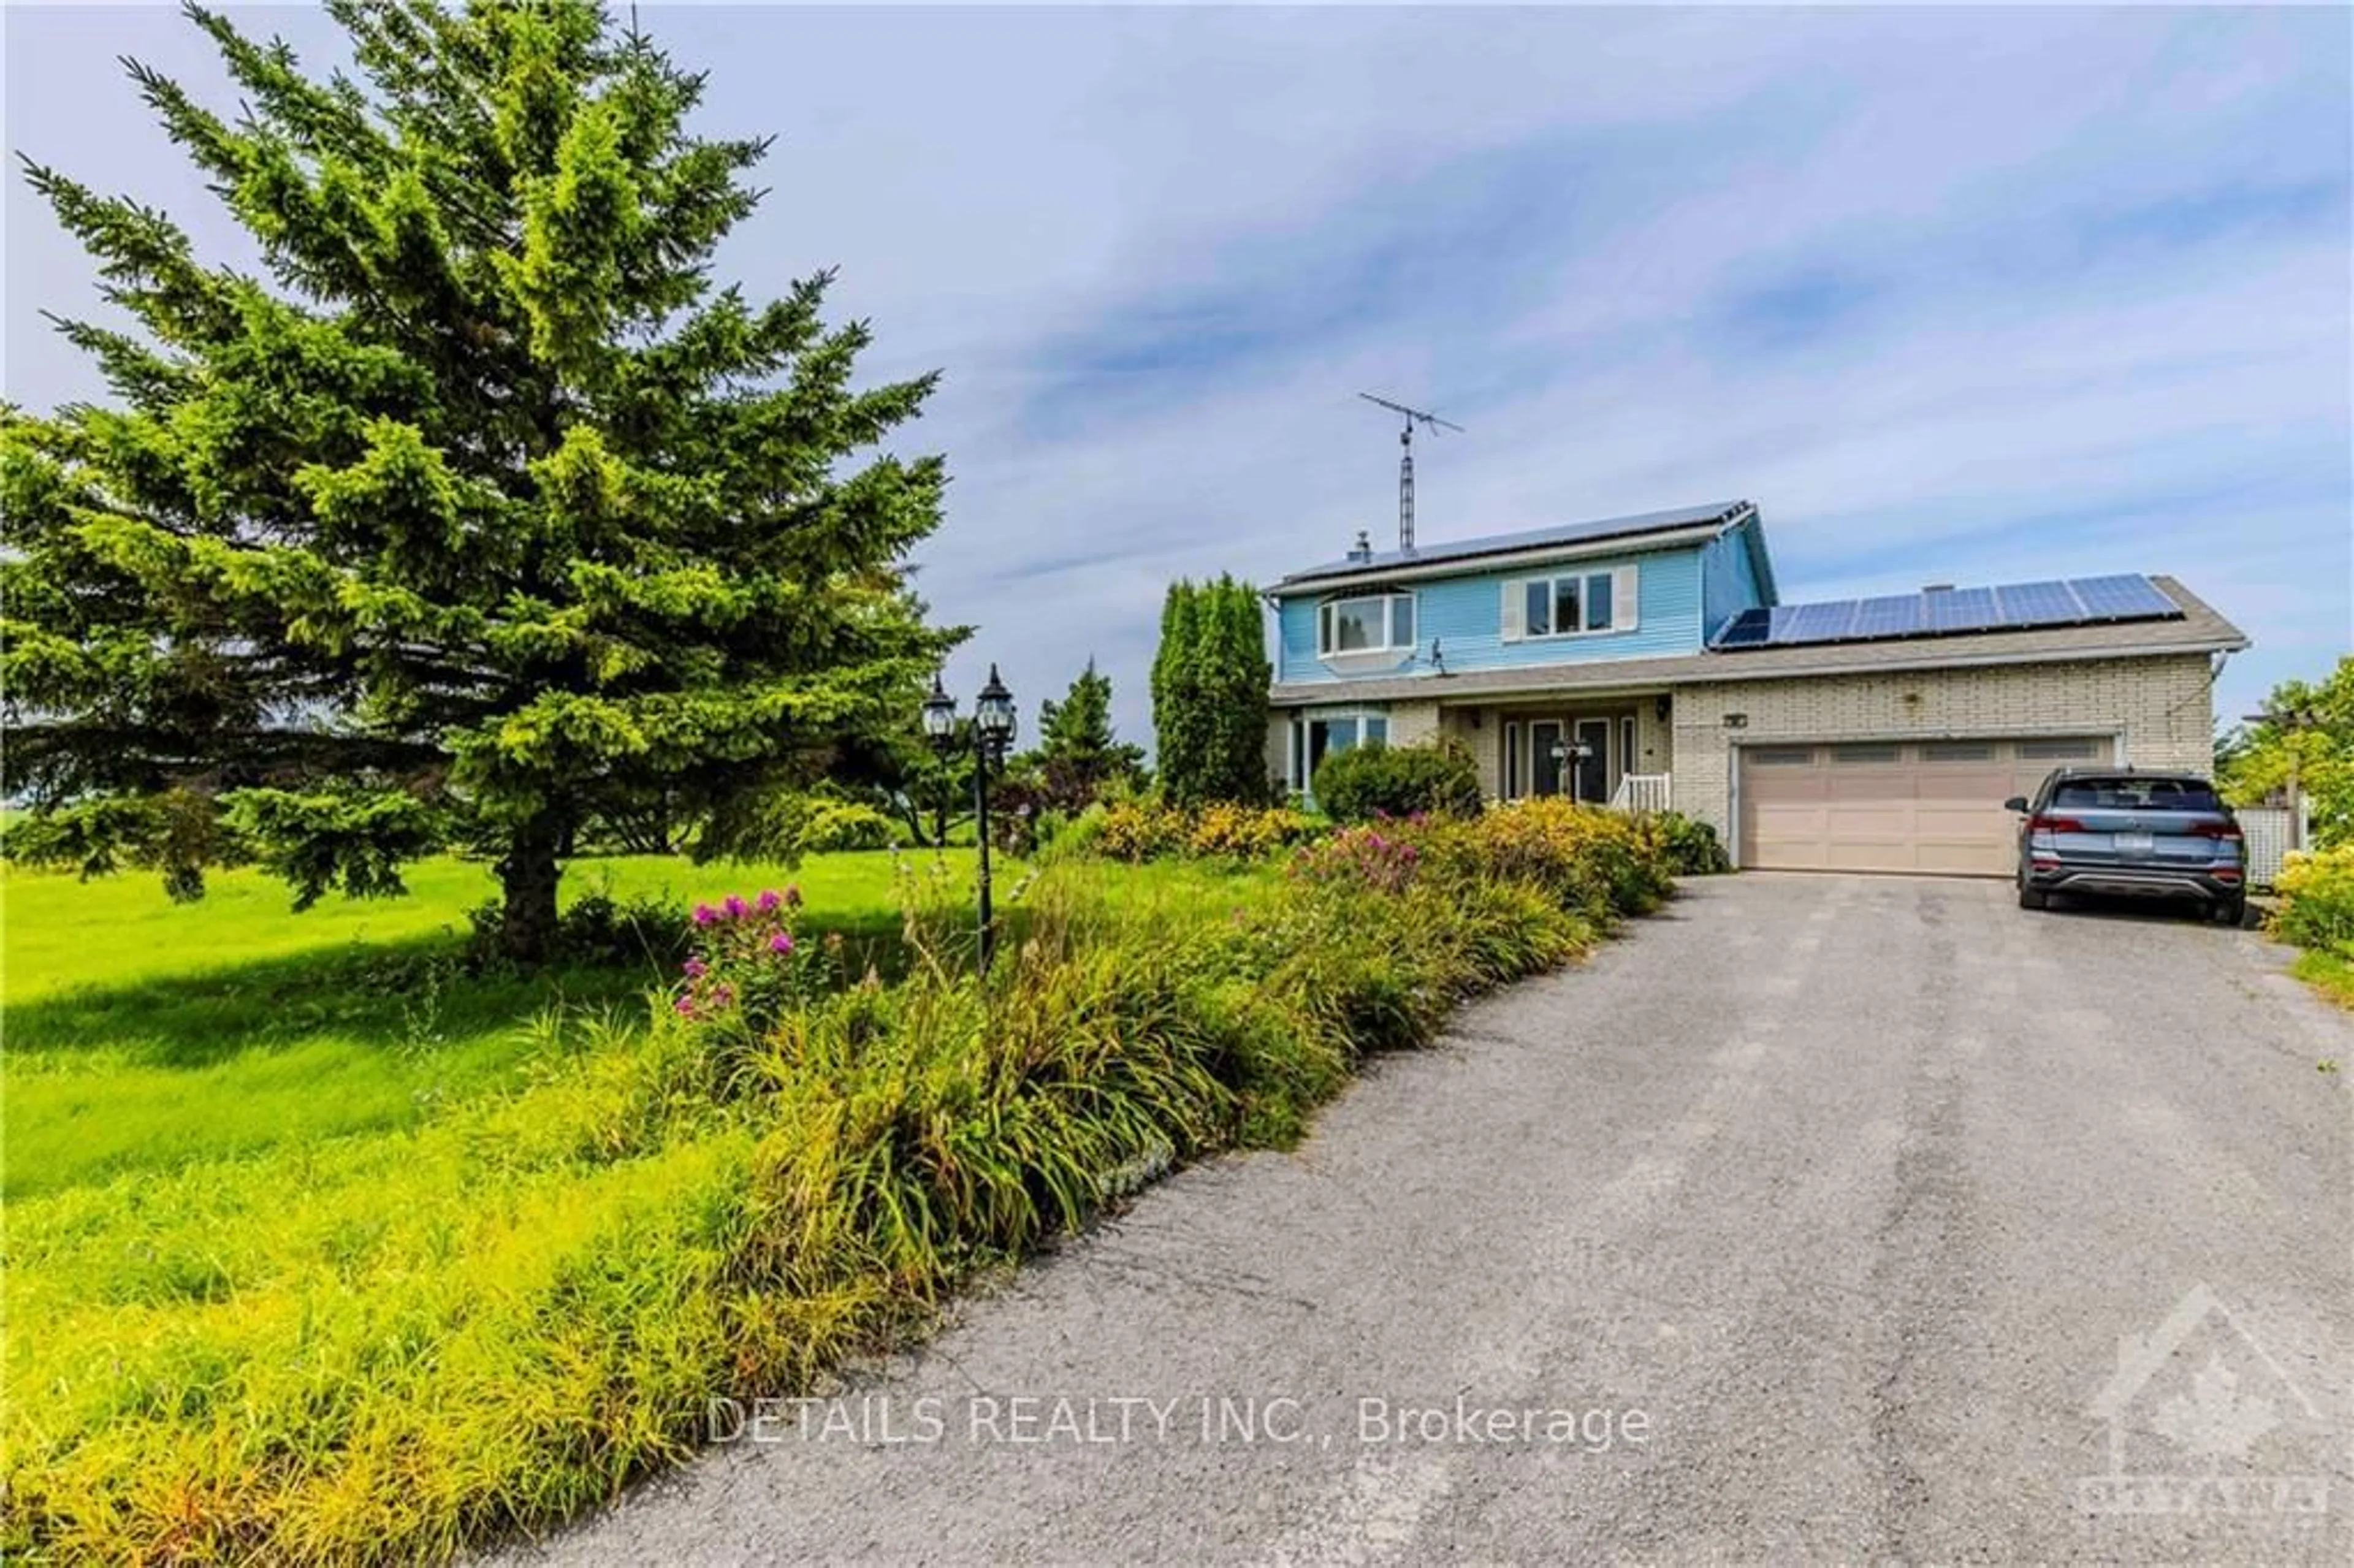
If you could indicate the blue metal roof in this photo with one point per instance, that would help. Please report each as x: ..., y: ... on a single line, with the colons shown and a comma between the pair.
x: 1528, y: 539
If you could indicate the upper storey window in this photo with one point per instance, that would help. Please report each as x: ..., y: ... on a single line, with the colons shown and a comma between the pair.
x: 1570, y: 604
x: 1372, y: 624
x: 1580, y: 602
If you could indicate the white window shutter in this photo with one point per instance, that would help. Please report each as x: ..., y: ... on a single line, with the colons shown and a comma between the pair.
x: 1516, y: 611
x: 1622, y: 601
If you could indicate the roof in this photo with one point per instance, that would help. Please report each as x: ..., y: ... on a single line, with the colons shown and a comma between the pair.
x: 1714, y: 516
x: 2198, y: 630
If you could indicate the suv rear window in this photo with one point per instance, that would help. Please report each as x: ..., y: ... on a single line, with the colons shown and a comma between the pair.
x: 2137, y: 795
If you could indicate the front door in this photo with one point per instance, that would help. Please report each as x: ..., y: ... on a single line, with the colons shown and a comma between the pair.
x: 1545, y: 757
x: 1593, y: 777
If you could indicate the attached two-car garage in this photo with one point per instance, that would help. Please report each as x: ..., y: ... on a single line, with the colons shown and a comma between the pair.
x: 1896, y: 805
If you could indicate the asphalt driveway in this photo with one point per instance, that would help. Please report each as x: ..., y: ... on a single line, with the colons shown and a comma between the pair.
x: 1820, y: 1218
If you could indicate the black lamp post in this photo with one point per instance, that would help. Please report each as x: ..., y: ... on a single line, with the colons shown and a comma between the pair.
x: 989, y: 735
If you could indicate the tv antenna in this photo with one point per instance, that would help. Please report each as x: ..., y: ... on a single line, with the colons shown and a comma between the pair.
x: 1406, y: 461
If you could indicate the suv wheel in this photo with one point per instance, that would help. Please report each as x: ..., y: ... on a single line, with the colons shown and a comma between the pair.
x: 2033, y: 898
x: 2232, y: 912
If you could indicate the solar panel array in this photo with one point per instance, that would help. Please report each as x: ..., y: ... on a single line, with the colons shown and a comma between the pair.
x: 2078, y: 601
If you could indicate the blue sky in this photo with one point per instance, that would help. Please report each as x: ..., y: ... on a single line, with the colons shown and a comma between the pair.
x: 1970, y: 296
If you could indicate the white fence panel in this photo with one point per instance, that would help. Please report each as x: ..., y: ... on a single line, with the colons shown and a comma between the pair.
x: 2271, y: 832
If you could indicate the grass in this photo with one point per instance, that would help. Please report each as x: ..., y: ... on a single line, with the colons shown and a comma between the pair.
x: 142, y: 1034
x: 263, y: 1168
x: 382, y: 1331
x: 2330, y: 973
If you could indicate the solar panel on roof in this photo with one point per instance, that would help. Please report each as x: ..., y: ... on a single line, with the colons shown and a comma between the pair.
x: 2079, y: 601
x: 2123, y: 597
x: 1815, y: 623
x: 1960, y: 610
x: 1897, y: 615
x: 1750, y: 629
x: 2038, y: 604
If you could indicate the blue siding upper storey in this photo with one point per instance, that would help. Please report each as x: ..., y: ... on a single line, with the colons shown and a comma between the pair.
x: 1682, y: 594
x: 1729, y: 575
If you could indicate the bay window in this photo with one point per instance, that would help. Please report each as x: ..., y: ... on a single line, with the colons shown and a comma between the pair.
x: 1373, y: 623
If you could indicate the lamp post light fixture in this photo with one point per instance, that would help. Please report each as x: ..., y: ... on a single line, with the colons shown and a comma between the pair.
x: 989, y: 735
x: 1567, y: 755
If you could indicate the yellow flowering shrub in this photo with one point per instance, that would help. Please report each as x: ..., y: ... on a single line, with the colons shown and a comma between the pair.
x: 1585, y: 856
x: 1243, y: 832
x: 1149, y: 829
x: 2317, y: 895
x: 1139, y: 829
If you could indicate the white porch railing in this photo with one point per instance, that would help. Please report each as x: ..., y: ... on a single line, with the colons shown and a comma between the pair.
x: 1642, y: 793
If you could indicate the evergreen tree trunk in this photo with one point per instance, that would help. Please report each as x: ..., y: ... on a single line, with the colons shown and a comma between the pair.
x: 528, y: 876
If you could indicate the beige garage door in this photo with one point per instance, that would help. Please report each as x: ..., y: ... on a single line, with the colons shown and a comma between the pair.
x: 1910, y: 806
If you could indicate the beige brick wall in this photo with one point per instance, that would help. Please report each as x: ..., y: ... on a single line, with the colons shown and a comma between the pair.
x: 1412, y: 724
x: 2159, y: 708
x: 1654, y: 742
x: 1487, y: 746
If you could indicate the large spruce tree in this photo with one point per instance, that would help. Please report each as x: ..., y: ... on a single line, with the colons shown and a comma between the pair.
x: 485, y: 508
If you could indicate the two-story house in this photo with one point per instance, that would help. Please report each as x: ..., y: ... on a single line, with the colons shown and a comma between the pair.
x: 1650, y: 661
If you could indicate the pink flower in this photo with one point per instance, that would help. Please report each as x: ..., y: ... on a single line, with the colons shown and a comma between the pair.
x: 770, y: 900
x: 735, y: 906
x: 696, y: 969
x: 782, y: 942
x: 684, y: 1006
x: 705, y: 914
x: 723, y: 994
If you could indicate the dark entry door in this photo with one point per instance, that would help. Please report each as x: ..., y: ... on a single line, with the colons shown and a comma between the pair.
x: 1594, y: 767
x: 1545, y: 757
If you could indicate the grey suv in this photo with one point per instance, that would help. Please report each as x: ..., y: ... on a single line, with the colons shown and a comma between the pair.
x: 2108, y: 830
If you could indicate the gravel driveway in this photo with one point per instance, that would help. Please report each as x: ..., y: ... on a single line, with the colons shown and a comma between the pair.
x: 1818, y: 1218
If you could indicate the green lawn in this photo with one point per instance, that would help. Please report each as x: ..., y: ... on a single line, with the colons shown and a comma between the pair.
x: 143, y: 1035
x: 2330, y: 973
x: 300, y: 1216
